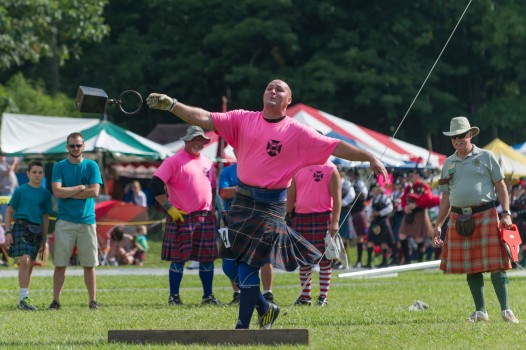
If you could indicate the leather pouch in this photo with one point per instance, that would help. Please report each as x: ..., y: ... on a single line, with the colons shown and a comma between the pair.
x: 465, y: 225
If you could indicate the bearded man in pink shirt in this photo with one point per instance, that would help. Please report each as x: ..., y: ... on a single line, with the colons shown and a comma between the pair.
x: 271, y: 149
x: 185, y: 186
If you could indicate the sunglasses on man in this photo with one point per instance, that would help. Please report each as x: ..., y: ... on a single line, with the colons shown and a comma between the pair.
x: 460, y: 136
x: 75, y: 146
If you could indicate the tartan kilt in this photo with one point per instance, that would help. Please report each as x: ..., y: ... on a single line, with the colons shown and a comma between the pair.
x: 359, y: 221
x: 194, y: 239
x: 313, y: 227
x: 380, y: 231
x: 21, y: 245
x: 257, y: 235
x: 421, y: 227
x: 483, y: 251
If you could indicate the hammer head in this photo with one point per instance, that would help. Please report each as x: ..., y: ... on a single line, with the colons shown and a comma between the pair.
x: 91, y: 100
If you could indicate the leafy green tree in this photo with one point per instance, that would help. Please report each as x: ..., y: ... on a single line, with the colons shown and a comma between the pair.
x: 22, y: 96
x: 55, y: 29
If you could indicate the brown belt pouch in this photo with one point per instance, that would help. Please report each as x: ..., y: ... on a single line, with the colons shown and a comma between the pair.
x: 465, y: 224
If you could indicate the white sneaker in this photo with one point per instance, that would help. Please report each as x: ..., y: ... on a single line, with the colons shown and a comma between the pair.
x: 478, y: 316
x: 508, y: 316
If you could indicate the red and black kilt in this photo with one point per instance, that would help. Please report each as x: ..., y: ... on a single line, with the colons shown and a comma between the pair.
x: 258, y: 235
x: 483, y: 251
x: 314, y: 227
x: 421, y: 226
x: 359, y: 221
x: 194, y: 239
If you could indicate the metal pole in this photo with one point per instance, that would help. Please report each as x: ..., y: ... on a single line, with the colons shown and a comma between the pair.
x: 393, y: 269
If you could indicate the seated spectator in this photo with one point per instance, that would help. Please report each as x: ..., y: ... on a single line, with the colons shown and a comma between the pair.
x: 121, y: 251
x: 141, y: 245
x: 134, y: 194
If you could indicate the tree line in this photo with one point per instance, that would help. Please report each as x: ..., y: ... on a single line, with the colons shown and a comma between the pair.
x: 360, y: 60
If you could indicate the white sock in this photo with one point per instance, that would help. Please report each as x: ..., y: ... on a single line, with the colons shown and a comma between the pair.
x: 24, y: 293
x: 267, y: 291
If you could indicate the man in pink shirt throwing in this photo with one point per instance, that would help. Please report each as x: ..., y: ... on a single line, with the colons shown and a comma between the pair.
x: 271, y: 149
x: 185, y: 185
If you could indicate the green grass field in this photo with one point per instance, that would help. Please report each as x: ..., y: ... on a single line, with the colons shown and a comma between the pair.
x: 362, y: 313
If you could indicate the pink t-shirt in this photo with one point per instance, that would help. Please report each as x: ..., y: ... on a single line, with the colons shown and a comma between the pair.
x: 313, y: 193
x: 270, y: 154
x: 189, y: 181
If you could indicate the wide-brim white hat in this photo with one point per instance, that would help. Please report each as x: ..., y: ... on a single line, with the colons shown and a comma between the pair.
x: 460, y: 125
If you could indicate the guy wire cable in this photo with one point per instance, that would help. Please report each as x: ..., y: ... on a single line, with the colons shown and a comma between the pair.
x: 394, y: 134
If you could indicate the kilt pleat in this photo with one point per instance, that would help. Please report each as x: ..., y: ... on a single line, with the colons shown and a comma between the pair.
x: 258, y: 235
x: 194, y: 239
x: 483, y: 251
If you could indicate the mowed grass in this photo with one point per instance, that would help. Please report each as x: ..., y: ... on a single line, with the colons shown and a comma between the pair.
x: 362, y: 313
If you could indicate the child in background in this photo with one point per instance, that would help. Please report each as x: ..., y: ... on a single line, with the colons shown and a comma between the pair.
x: 30, y: 207
x: 141, y: 245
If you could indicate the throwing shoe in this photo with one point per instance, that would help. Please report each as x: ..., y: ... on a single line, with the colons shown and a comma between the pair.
x: 303, y: 301
x: 210, y: 300
x: 267, y: 319
x: 175, y: 299
x: 322, y: 301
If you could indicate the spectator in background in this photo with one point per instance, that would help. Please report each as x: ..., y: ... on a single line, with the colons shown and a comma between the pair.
x: 76, y: 183
x: 141, y: 245
x: 121, y: 248
x: 359, y: 218
x: 380, y: 232
x: 134, y: 194
x: 346, y: 230
x: 30, y: 207
x: 417, y: 198
x: 8, y: 179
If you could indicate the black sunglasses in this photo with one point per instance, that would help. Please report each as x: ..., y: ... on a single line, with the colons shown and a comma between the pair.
x: 75, y: 146
x: 460, y: 136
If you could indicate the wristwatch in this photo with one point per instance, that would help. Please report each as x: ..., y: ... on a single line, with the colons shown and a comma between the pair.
x: 506, y: 212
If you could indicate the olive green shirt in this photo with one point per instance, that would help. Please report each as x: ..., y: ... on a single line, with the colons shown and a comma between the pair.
x: 473, y: 180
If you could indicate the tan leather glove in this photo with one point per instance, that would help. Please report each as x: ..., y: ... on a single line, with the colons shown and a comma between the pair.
x: 160, y: 101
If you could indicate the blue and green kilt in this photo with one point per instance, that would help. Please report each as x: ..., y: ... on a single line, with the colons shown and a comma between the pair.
x: 313, y: 227
x: 194, y: 239
x: 24, y: 243
x: 257, y: 235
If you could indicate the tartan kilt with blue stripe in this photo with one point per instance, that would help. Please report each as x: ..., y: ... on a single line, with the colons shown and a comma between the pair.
x: 483, y: 251
x: 21, y: 245
x: 194, y: 239
x: 313, y: 227
x: 257, y: 235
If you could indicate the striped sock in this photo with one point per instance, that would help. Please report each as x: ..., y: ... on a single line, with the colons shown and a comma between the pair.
x: 306, y: 281
x: 325, y: 279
